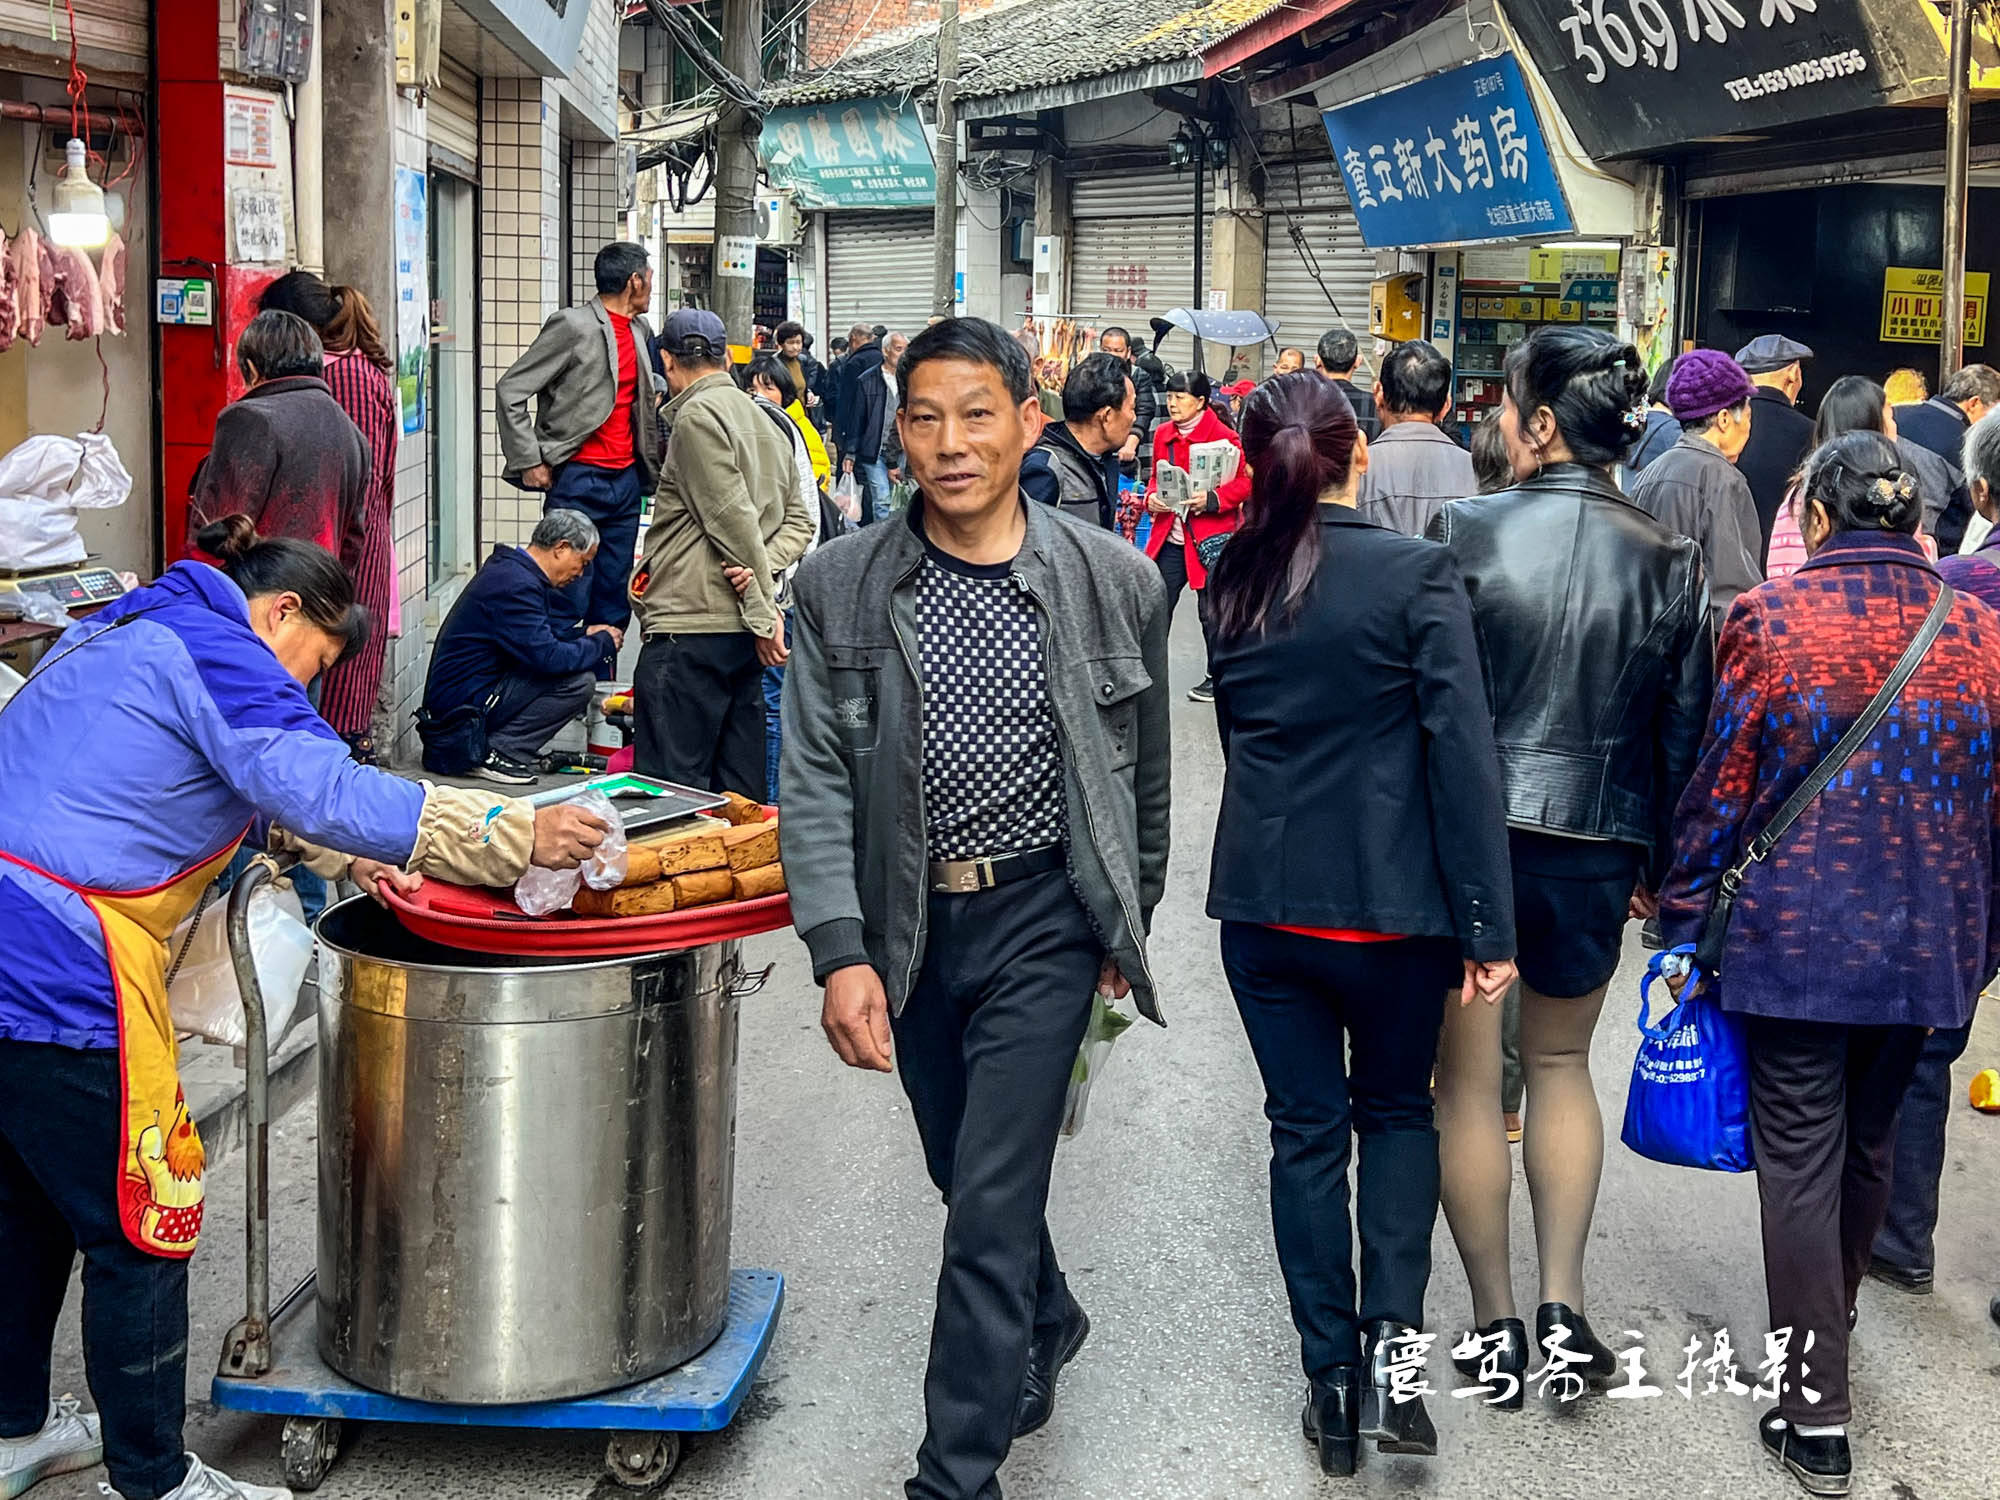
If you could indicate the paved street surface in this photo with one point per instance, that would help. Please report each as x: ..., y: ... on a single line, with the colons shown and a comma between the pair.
x: 1189, y: 1386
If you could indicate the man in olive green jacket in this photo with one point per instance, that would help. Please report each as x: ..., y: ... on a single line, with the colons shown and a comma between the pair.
x: 728, y: 519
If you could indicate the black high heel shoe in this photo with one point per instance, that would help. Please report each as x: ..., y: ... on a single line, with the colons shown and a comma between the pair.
x: 1396, y: 1426
x: 1509, y: 1360
x: 1332, y: 1419
x: 1598, y: 1364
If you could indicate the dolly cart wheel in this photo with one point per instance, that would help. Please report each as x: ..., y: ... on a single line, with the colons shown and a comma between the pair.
x: 642, y: 1460
x: 310, y: 1446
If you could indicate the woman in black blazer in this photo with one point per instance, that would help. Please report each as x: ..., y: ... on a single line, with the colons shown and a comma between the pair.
x: 1360, y: 873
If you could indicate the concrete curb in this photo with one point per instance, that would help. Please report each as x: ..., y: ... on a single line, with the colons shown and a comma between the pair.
x: 294, y: 1075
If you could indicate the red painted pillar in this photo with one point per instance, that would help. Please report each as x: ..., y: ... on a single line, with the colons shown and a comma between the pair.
x: 188, y: 163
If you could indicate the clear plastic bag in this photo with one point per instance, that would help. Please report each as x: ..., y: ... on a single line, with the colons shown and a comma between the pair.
x: 539, y: 892
x: 1107, y: 1024
x: 847, y: 497
x: 203, y: 996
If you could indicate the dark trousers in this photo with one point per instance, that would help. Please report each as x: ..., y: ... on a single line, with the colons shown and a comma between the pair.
x: 1905, y: 1237
x: 532, y: 709
x: 612, y: 498
x: 1345, y: 1035
x: 985, y: 1047
x: 698, y: 706
x: 1173, y: 572
x: 59, y: 1176
x: 774, y: 693
x: 1823, y: 1101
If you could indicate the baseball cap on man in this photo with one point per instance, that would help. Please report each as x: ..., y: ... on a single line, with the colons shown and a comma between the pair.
x: 695, y: 331
x: 1771, y: 351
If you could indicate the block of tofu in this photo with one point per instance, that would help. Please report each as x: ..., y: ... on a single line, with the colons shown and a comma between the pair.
x: 740, y: 810
x: 683, y: 854
x: 642, y: 865
x: 702, y: 888
x: 626, y: 901
x: 765, y: 880
x: 751, y: 846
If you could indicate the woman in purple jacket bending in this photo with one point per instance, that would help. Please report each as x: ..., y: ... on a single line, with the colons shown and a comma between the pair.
x: 1872, y: 920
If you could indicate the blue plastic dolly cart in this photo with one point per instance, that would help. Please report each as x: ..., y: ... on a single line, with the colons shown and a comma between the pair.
x: 271, y: 1363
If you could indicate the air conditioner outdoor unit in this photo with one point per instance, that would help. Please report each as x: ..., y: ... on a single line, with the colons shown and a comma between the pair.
x: 777, y: 219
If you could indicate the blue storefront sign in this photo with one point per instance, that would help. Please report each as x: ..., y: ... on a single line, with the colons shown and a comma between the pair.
x: 1450, y: 160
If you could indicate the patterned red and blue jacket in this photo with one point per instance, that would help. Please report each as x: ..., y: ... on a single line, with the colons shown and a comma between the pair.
x: 1879, y: 907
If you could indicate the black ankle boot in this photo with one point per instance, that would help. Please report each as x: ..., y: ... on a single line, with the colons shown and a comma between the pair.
x: 1598, y: 1364
x: 1397, y: 1426
x: 1508, y: 1363
x: 1332, y: 1419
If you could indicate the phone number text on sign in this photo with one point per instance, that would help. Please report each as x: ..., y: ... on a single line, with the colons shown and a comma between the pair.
x: 1648, y: 31
x: 1797, y: 75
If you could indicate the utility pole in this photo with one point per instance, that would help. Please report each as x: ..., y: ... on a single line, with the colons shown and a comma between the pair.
x: 1957, y: 118
x: 735, y: 256
x: 944, y: 223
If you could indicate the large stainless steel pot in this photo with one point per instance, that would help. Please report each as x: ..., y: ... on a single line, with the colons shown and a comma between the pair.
x: 524, y: 1167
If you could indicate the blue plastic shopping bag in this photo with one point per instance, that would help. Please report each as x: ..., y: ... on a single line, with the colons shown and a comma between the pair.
x: 1689, y: 1105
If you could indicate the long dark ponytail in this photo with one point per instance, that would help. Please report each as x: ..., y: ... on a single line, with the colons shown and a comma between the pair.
x: 1298, y: 439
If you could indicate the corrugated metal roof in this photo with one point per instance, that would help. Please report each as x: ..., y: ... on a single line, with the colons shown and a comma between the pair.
x: 1031, y: 45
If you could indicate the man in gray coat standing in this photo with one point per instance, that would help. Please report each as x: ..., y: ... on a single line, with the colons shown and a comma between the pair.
x: 592, y: 443
x: 1414, y: 467
x: 1695, y: 487
x: 975, y: 772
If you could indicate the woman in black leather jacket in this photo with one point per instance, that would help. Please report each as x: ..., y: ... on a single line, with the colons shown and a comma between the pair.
x: 1594, y: 634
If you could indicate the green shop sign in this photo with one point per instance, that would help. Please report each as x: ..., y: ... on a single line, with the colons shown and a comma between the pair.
x: 855, y: 153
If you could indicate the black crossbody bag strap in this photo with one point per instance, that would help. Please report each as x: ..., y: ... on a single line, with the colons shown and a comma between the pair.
x: 1709, y: 952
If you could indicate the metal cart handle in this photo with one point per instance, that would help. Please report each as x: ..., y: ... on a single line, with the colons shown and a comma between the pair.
x: 246, y: 1350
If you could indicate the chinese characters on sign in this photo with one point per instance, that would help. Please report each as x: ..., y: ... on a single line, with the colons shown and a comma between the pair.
x: 1913, y: 306
x: 855, y: 153
x: 1452, y: 159
x: 1634, y: 74
x: 1125, y: 287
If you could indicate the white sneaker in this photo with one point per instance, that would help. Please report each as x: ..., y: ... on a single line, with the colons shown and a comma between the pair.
x: 204, y: 1483
x: 68, y: 1441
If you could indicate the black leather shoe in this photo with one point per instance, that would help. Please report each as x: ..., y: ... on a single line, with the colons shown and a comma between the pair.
x: 1916, y: 1280
x: 1396, y: 1426
x: 1332, y: 1419
x: 1993, y: 1309
x: 1050, y: 1350
x: 1510, y: 1360
x: 1822, y: 1464
x: 1598, y: 1365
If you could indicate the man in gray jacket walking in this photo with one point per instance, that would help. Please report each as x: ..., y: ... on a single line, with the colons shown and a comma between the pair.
x: 975, y: 784
x: 593, y: 443
x: 1695, y: 487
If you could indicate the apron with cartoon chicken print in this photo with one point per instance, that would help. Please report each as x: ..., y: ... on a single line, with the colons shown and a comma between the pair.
x: 161, y: 1156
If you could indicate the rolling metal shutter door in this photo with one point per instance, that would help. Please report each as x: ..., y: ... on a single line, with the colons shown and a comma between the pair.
x: 451, y: 111
x: 878, y: 270
x: 121, y: 26
x: 1132, y: 248
x: 1314, y: 198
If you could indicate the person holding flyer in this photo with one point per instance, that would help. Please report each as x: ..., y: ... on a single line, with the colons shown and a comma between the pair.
x: 1194, y: 499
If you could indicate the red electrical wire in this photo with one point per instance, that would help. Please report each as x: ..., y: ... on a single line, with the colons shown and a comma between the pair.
x: 105, y: 411
x: 78, y: 82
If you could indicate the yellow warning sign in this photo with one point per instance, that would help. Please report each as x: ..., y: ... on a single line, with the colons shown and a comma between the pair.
x: 1913, y: 306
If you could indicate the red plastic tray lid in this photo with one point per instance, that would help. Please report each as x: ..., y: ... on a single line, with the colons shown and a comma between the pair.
x: 488, y: 921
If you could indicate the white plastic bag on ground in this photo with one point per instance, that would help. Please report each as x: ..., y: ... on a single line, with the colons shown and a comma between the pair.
x: 203, y: 996
x: 539, y: 892
x: 44, y: 481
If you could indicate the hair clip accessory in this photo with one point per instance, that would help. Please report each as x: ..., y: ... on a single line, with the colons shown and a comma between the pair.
x: 1633, y: 419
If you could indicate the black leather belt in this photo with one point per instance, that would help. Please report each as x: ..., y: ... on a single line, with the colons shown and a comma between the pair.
x: 956, y: 877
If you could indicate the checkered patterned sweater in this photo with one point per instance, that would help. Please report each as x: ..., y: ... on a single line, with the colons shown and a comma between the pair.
x: 1879, y: 907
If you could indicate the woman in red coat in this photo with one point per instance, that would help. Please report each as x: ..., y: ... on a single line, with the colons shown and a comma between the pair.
x: 358, y: 372
x: 1176, y: 542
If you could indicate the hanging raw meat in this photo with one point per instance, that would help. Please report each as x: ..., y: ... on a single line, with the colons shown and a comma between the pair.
x: 10, y: 296
x: 83, y: 314
x: 55, y: 286
x: 25, y: 259
x: 111, y: 284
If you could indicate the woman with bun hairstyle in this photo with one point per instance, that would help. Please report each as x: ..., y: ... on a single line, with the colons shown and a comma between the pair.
x: 1593, y: 628
x: 1360, y: 873
x: 1871, y: 921
x: 359, y: 373
x: 1183, y: 542
x: 154, y: 739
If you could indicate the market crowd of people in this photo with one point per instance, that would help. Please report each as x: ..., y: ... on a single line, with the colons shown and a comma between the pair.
x: 1652, y: 645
